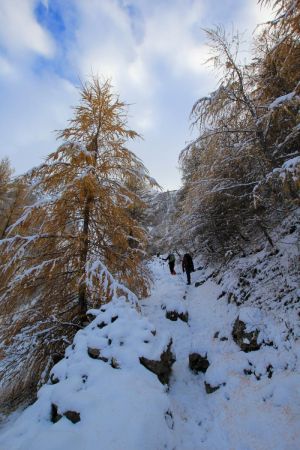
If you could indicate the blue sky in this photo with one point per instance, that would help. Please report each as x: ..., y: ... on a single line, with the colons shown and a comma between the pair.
x: 153, y: 51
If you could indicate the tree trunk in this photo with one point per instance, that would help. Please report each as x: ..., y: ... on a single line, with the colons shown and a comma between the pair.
x: 82, y: 299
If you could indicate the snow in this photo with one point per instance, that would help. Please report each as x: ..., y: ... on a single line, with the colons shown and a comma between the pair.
x: 282, y: 99
x: 256, y: 405
x: 123, y: 408
x: 291, y: 163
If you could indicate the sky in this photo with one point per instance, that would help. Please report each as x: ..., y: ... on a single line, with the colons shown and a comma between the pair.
x: 153, y: 51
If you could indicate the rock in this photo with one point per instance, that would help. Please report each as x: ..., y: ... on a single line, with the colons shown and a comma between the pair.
x: 247, y: 341
x: 269, y: 370
x: 163, y: 367
x: 90, y: 317
x: 174, y: 315
x: 73, y: 416
x: 55, y: 416
x: 113, y: 319
x: 216, y: 335
x: 54, y: 379
x: 114, y: 363
x: 101, y: 325
x: 96, y: 354
x: 198, y: 363
x: 199, y: 283
x: 210, y: 389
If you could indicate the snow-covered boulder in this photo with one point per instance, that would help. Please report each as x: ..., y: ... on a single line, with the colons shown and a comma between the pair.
x: 175, y: 310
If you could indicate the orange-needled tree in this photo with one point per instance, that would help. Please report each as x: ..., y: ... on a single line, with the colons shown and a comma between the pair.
x: 73, y: 247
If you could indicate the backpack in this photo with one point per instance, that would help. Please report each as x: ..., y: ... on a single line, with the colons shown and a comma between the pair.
x: 171, y: 258
x: 189, y: 262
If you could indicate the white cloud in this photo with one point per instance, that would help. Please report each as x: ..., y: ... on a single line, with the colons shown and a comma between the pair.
x: 30, y: 110
x: 6, y: 69
x: 19, y: 30
x: 251, y: 15
x: 154, y: 56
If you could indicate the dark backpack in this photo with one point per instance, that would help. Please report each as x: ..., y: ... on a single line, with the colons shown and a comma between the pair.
x: 189, y: 262
x: 172, y: 257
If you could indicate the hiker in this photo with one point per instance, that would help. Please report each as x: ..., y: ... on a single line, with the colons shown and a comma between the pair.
x: 171, y: 259
x: 188, y: 266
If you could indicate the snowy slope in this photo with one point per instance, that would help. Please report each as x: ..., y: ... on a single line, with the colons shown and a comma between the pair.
x: 249, y: 411
x: 115, y: 402
x: 126, y: 407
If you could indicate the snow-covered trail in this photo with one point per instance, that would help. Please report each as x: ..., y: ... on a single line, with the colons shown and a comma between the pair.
x: 237, y: 416
x: 190, y: 407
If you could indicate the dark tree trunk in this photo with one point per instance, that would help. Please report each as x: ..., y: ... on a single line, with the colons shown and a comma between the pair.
x: 82, y: 299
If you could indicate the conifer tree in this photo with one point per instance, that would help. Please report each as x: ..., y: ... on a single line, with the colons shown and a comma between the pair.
x: 72, y: 248
x: 81, y: 219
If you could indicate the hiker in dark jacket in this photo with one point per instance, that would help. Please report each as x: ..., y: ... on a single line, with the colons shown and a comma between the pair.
x: 171, y: 259
x: 188, y: 266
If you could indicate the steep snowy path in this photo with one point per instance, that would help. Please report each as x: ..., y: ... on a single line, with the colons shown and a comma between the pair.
x: 192, y: 417
x: 237, y: 416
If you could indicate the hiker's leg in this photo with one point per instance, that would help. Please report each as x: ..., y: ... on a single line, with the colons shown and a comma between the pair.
x: 188, y: 275
x: 170, y: 267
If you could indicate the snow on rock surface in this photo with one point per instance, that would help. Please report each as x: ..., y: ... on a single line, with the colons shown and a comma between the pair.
x: 243, y: 401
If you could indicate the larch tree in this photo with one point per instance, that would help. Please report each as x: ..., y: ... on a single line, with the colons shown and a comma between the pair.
x: 241, y: 175
x: 221, y: 167
x: 278, y: 91
x: 72, y: 248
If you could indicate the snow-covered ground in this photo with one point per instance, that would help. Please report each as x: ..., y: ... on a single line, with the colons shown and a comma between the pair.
x: 123, y: 406
x: 248, y: 412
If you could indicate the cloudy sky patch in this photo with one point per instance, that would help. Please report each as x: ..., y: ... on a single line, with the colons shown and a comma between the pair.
x: 153, y: 51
